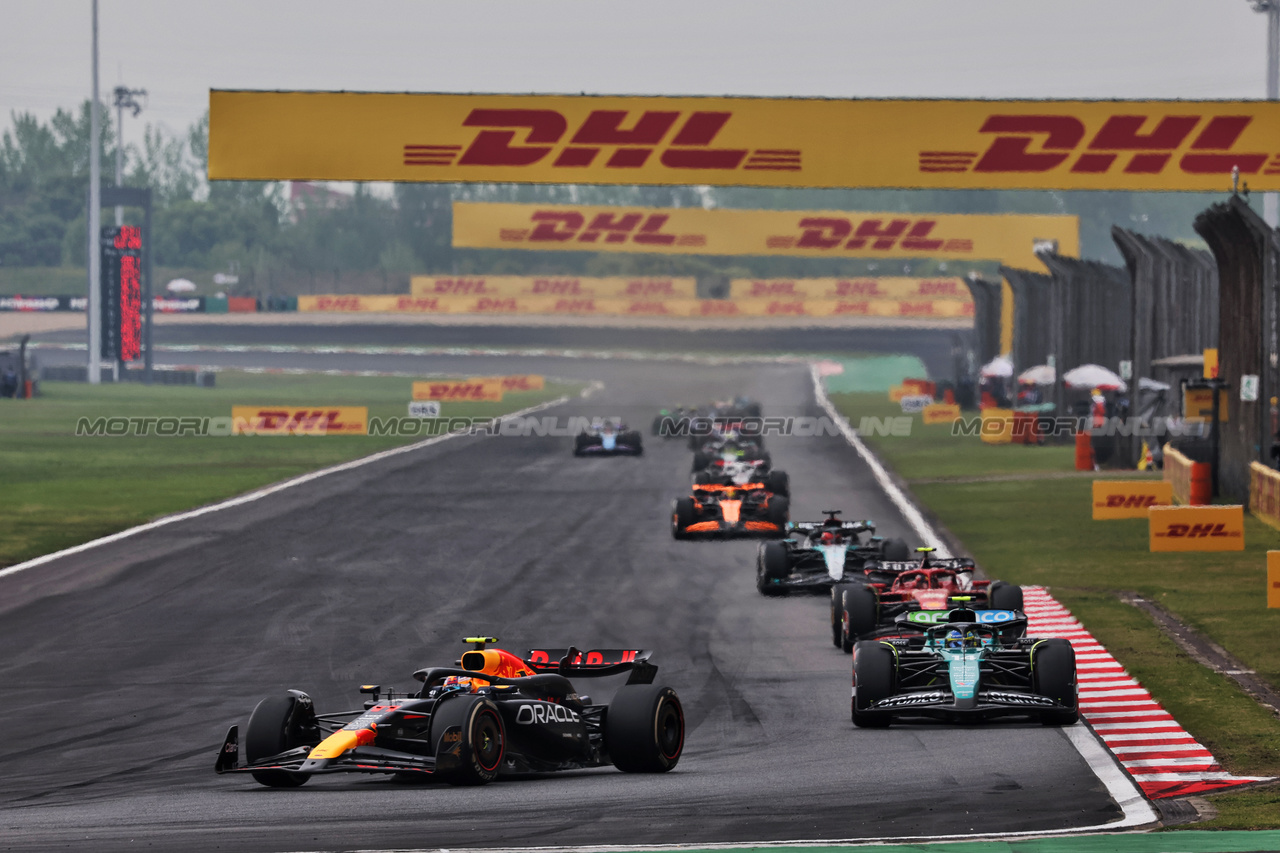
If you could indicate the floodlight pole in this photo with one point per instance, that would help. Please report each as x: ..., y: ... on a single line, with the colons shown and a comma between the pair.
x: 1271, y: 201
x: 95, y: 222
x: 124, y: 97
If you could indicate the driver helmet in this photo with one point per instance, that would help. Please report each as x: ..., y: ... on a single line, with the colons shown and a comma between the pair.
x: 955, y: 639
x: 831, y: 537
x: 458, y: 683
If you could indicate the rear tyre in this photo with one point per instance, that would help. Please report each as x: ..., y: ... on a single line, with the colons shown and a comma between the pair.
x: 858, y: 615
x: 1005, y: 596
x: 772, y: 568
x: 874, y: 674
x: 483, y: 737
x: 644, y: 729
x: 279, y: 723
x: 896, y: 550
x: 779, y: 483
x: 579, y: 443
x: 1054, y: 665
x: 837, y: 612
x: 682, y: 514
x: 702, y: 478
x: 780, y: 512
x: 633, y: 439
x: 700, y: 461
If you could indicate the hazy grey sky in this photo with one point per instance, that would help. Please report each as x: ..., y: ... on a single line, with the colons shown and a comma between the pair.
x: 179, y: 49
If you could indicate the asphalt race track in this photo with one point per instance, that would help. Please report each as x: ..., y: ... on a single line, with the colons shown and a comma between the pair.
x: 124, y: 665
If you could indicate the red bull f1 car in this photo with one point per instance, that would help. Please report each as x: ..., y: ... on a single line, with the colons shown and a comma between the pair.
x: 817, y: 555
x: 889, y: 589
x: 715, y: 511
x: 964, y: 665
x: 492, y: 714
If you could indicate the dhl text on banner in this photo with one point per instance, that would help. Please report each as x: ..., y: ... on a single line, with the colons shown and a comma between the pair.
x: 941, y: 413
x: 485, y: 390
x: 798, y: 142
x: 1009, y: 238
x: 1196, y: 528
x: 519, y: 382
x: 300, y: 420
x: 616, y: 287
x: 934, y: 289
x: 1129, y: 498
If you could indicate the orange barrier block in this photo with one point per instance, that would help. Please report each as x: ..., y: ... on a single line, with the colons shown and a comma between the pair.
x: 1084, y: 452
x: 1273, y: 579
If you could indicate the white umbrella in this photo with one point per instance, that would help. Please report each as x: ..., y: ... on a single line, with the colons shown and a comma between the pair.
x: 998, y: 366
x: 1040, y: 375
x: 180, y: 285
x: 1146, y: 384
x: 1093, y: 376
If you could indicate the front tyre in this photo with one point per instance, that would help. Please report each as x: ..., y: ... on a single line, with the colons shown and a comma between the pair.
x: 280, y: 723
x: 772, y: 569
x: 682, y: 515
x: 1005, y: 596
x: 859, y: 614
x: 895, y: 550
x: 483, y: 737
x: 1054, y: 665
x: 644, y: 729
x: 874, y: 674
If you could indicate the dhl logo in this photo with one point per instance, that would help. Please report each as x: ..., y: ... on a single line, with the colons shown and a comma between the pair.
x: 417, y: 303
x: 490, y: 304
x: 863, y: 307
x: 518, y: 382
x: 858, y: 287
x: 563, y: 226
x: 772, y: 288
x: 466, y: 390
x: 337, y: 303
x: 1128, y: 501
x: 558, y: 286
x: 640, y: 287
x: 293, y: 420
x: 875, y: 234
x: 1198, y: 531
x: 939, y: 287
x: 1132, y: 144
x: 524, y: 137
x: 458, y: 286
x: 717, y: 308
x: 647, y: 308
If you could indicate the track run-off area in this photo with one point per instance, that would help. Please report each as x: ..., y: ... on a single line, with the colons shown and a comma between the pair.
x: 126, y: 662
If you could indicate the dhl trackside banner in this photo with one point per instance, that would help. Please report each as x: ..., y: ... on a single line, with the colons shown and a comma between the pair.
x: 484, y: 390
x: 1128, y: 498
x: 1010, y: 238
x: 519, y: 382
x: 851, y: 288
x: 517, y: 285
x: 796, y: 142
x: 1196, y: 528
x: 853, y: 307
x: 300, y: 420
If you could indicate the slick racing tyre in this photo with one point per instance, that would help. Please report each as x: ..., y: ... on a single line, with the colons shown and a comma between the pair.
x: 780, y: 512
x: 895, y: 550
x: 874, y: 673
x: 632, y: 439
x: 1053, y: 664
x: 771, y: 568
x: 858, y: 614
x: 702, y: 478
x: 837, y: 612
x: 279, y: 723
x: 701, y: 461
x: 1005, y: 596
x: 483, y: 737
x: 779, y: 483
x: 580, y: 443
x: 682, y: 515
x: 644, y: 728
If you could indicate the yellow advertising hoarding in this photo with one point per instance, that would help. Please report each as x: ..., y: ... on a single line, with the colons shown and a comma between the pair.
x: 937, y: 289
x: 614, y: 287
x: 300, y: 420
x: 483, y: 390
x: 518, y: 382
x: 1010, y: 239
x: 941, y: 413
x: 1273, y: 579
x: 784, y: 142
x: 1128, y: 498
x: 1196, y: 528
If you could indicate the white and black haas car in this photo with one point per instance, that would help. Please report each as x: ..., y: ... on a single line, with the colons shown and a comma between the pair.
x: 818, y: 555
x: 608, y: 437
x: 492, y: 714
x: 964, y: 665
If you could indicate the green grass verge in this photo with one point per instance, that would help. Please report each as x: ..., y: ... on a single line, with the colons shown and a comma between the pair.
x: 61, y: 490
x: 1026, y: 517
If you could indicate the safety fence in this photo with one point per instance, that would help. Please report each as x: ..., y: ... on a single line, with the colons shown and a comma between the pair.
x: 159, y: 304
x: 1264, y: 493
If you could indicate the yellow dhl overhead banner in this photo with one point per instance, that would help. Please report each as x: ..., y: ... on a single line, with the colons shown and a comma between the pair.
x: 851, y: 288
x: 1011, y: 239
x: 639, y: 287
x: 578, y: 139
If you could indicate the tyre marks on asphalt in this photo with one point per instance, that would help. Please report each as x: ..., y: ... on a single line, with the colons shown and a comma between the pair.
x: 1163, y: 759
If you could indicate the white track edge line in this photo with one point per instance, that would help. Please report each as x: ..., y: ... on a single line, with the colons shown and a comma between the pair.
x: 271, y: 490
x: 1137, y: 810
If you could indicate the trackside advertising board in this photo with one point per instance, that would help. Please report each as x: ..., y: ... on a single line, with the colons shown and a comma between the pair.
x: 300, y: 420
x: 1196, y: 528
x: 499, y: 286
x: 796, y: 142
x: 1129, y: 498
x: 485, y: 390
x: 1009, y: 238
